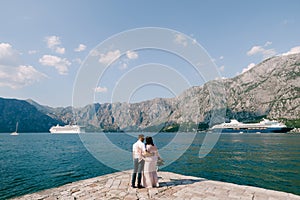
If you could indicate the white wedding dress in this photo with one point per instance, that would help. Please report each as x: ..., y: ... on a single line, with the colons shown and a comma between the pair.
x: 150, y: 178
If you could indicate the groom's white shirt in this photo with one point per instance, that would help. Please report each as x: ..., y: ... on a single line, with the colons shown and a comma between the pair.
x: 138, y: 149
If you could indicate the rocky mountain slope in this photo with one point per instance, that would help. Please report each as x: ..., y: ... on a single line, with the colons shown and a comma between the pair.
x: 271, y: 89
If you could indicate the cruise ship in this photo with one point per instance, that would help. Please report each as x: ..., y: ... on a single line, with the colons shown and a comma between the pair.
x: 265, y: 126
x: 65, y: 129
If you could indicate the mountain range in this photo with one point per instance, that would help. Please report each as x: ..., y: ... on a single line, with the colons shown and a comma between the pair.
x: 28, y: 117
x: 270, y: 90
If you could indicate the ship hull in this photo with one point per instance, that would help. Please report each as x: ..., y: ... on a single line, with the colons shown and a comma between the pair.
x: 65, y: 129
x: 257, y: 130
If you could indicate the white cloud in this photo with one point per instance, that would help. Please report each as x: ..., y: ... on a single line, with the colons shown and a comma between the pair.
x: 222, y: 68
x: 123, y: 66
x: 8, y: 55
x: 194, y: 41
x: 60, y: 64
x: 250, y: 66
x: 101, y: 89
x: 180, y: 39
x: 5, y: 50
x: 255, y: 50
x: 132, y: 55
x: 60, y: 50
x: 109, y: 56
x: 268, y: 43
x: 80, y: 48
x: 292, y: 51
x: 13, y: 73
x: 213, y: 59
x: 220, y: 78
x: 266, y: 53
x: 54, y: 43
x: 112, y: 56
x: 124, y: 62
x: 18, y: 77
x: 221, y: 57
x: 269, y: 53
x: 94, y: 52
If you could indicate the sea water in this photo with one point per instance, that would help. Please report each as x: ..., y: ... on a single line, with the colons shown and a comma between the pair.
x: 32, y: 162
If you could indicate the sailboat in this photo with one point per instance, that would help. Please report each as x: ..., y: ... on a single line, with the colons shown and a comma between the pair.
x: 16, y: 132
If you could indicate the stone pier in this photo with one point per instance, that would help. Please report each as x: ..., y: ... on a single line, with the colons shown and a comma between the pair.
x: 172, y: 186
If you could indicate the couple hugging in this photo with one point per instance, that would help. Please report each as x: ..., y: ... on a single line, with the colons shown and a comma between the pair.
x: 145, y: 157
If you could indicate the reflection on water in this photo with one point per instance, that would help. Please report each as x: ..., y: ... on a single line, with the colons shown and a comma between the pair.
x: 269, y: 161
x: 32, y: 162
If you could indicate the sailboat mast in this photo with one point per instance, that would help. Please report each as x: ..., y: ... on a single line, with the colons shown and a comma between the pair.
x: 17, y: 127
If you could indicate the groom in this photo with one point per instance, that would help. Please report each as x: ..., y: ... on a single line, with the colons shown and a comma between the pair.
x: 138, y: 149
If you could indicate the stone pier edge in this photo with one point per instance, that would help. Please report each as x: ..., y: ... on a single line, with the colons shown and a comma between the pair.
x: 172, y: 186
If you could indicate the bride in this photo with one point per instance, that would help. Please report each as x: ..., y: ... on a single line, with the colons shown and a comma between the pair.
x: 150, y: 178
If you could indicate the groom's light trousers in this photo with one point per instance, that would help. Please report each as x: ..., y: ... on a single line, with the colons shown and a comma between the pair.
x: 138, y: 168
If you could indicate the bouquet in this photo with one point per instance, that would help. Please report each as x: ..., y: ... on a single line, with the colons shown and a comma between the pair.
x: 160, y: 162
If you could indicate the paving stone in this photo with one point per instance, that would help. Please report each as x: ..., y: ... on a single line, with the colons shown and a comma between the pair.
x: 130, y: 197
x: 235, y: 193
x: 172, y: 186
x: 197, y: 198
x: 293, y: 197
x: 143, y: 194
x: 109, y: 183
x: 116, y: 184
x: 152, y: 192
x: 50, y: 198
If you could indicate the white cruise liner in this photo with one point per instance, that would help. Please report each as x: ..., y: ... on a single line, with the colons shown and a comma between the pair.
x: 265, y: 126
x: 65, y: 129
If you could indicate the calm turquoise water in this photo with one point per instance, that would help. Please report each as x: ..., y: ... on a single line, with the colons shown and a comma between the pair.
x: 33, y: 162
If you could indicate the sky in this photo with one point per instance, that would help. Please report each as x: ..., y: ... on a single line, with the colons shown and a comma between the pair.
x: 46, y: 46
